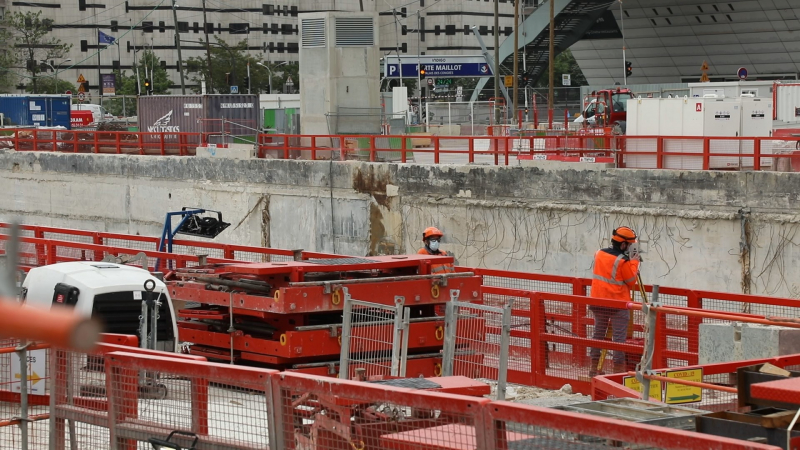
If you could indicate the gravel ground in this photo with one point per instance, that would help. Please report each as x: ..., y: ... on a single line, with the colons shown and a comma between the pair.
x: 539, y: 397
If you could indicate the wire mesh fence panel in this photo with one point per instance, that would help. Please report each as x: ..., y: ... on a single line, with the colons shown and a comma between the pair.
x: 648, y: 159
x: 374, y: 339
x: 527, y: 284
x: 11, y: 374
x: 327, y: 414
x: 476, y: 343
x: 219, y: 405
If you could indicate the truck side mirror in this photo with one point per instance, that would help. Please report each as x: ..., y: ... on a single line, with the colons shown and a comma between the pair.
x: 66, y: 295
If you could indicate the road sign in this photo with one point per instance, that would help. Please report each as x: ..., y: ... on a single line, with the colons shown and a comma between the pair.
x: 448, y: 66
x: 430, y: 81
x: 565, y: 79
x: 704, y: 66
x: 81, y: 96
x: 655, y: 386
x: 680, y: 393
x: 459, y: 90
x: 742, y: 73
x: 289, y: 81
x: 234, y: 89
x: 36, y: 370
x: 508, y: 80
x: 81, y: 79
x: 68, y: 92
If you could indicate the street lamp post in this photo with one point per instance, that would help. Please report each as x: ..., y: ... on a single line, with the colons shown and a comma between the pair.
x: 270, y: 72
x: 56, y: 69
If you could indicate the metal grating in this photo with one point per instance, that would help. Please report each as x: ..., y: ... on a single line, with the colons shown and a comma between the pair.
x: 355, y: 32
x: 313, y: 33
x: 340, y: 261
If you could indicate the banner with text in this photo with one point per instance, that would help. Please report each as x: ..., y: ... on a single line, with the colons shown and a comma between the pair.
x: 437, y: 66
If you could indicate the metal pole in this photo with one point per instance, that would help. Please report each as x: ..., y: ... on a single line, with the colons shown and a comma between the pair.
x: 344, y: 355
x: 119, y: 58
x: 248, y: 77
x: 135, y: 68
x: 550, y: 62
x: 505, y: 342
x: 496, y: 60
x: 178, y: 44
x: 99, y: 83
x: 622, y: 31
x: 646, y: 365
x: 419, y: 64
x: 397, y: 47
x: 449, y: 348
x: 23, y: 393
x: 516, y: 57
x: 208, y: 53
x: 397, y: 337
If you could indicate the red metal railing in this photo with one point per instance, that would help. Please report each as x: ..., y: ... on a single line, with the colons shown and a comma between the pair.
x: 653, y: 152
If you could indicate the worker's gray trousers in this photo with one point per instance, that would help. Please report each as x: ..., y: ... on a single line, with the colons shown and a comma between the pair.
x: 619, y: 326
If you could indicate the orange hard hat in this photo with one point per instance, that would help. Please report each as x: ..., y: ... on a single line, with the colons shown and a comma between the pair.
x: 431, y: 232
x: 624, y: 234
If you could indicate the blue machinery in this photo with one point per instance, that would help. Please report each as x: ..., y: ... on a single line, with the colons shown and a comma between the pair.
x: 191, y: 223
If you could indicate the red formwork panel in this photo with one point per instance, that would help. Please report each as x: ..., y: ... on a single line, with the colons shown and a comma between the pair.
x: 315, y: 299
x: 296, y: 346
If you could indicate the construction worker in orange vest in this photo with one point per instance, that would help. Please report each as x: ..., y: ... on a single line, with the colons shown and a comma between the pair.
x: 615, y: 273
x: 432, y: 237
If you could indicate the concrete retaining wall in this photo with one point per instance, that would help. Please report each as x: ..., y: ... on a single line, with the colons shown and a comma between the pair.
x: 723, y: 231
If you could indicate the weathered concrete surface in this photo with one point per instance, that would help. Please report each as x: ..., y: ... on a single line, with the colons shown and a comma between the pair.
x: 724, y: 231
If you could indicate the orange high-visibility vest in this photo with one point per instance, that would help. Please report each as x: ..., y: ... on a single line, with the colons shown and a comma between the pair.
x: 437, y: 268
x: 614, y: 276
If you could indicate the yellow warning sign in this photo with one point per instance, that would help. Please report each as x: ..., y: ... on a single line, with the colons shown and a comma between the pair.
x: 705, y: 66
x: 81, y: 79
x: 508, y: 81
x: 655, y: 386
x: 680, y: 393
x: 704, y: 69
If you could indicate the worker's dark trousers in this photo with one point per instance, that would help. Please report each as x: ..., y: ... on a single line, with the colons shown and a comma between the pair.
x: 619, y: 327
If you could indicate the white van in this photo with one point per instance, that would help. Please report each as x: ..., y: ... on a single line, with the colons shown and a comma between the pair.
x: 112, y: 293
x: 98, y: 112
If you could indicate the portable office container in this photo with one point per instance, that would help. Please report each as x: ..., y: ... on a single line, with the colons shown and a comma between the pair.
x: 36, y: 110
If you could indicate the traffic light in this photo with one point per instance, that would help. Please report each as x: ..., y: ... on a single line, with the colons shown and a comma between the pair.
x: 267, y: 89
x: 246, y: 82
x: 628, y: 69
x: 525, y: 79
x: 422, y: 73
x: 228, y: 79
x: 148, y: 87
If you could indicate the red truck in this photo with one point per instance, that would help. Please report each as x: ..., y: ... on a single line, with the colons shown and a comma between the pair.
x: 81, y: 118
x: 606, y: 108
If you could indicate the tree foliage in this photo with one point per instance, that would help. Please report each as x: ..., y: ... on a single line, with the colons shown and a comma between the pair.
x: 149, y: 66
x: 48, y: 85
x: 564, y: 63
x: 229, y: 64
x: 30, y: 42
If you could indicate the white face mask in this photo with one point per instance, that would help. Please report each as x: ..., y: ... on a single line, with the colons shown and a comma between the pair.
x: 433, y: 244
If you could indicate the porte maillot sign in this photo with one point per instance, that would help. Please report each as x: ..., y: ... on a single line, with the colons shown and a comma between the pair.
x: 437, y: 66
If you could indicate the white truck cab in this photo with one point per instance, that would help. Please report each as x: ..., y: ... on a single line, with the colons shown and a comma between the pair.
x: 112, y: 293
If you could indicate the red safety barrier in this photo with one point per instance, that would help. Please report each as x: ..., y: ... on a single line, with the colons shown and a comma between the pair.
x: 120, y: 397
x: 644, y: 152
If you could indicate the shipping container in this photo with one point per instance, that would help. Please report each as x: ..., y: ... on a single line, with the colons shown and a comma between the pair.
x: 175, y: 114
x: 36, y: 110
x: 787, y: 103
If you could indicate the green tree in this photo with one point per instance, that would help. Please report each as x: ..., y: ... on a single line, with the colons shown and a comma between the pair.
x: 48, y: 86
x: 30, y: 42
x: 229, y: 65
x: 564, y: 63
x: 126, y: 84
